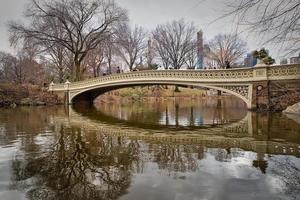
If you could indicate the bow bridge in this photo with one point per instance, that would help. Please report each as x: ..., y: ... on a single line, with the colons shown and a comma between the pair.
x: 261, y: 87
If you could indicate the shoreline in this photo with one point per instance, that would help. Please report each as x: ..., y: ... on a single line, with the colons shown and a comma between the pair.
x: 26, y: 95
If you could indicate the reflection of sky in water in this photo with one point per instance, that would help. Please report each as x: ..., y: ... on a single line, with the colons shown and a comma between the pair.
x: 7, y: 152
x: 210, y: 173
x: 198, y: 120
x: 232, y: 179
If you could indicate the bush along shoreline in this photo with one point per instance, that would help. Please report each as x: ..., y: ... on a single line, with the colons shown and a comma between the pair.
x: 26, y: 95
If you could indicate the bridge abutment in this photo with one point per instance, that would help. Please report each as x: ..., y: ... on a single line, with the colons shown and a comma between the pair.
x: 274, y: 95
x: 260, y: 96
x: 284, y: 94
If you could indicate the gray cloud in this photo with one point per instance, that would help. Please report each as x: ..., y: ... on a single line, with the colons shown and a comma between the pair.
x: 147, y: 13
x: 9, y: 10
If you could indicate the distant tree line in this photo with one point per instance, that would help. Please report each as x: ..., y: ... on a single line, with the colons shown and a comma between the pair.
x: 72, y: 39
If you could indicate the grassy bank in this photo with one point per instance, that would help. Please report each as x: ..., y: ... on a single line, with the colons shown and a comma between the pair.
x: 139, y: 93
x: 154, y: 91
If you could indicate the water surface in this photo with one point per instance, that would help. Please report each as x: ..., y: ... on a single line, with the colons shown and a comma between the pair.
x: 130, y: 151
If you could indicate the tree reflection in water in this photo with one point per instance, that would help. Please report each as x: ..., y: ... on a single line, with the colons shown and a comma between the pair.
x: 78, y: 166
x: 176, y: 157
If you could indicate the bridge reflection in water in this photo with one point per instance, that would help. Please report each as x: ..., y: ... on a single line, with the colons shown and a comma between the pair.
x: 67, y: 153
x: 258, y: 132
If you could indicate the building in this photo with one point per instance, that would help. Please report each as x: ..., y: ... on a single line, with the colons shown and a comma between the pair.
x: 250, y: 61
x: 150, y: 53
x: 200, y: 54
x: 295, y: 60
x: 283, y: 61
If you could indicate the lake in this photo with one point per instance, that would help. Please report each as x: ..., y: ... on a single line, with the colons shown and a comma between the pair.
x: 168, y: 149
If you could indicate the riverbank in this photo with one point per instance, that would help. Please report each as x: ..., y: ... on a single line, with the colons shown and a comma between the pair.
x: 26, y: 95
x: 151, y: 93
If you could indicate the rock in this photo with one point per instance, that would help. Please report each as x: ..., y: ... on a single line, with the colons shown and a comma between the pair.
x: 294, y: 109
x: 39, y: 103
x: 294, y: 117
x: 13, y: 105
x: 26, y: 102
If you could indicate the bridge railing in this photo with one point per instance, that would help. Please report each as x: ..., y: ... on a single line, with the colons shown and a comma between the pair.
x: 217, y: 75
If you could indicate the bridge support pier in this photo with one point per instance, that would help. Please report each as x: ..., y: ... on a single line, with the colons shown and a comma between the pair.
x: 260, y: 96
x: 274, y: 95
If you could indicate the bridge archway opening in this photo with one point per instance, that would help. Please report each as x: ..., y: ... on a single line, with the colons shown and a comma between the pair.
x: 90, y: 94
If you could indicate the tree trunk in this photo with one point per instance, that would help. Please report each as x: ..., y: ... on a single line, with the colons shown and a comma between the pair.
x: 109, y: 65
x: 61, y: 75
x: 76, y: 71
x: 98, y: 71
x: 60, y: 66
x: 95, y: 73
x: 109, y: 59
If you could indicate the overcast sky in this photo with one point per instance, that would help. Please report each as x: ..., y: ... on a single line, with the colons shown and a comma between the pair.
x: 149, y: 13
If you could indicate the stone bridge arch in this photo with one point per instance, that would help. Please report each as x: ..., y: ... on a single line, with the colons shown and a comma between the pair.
x: 242, y: 91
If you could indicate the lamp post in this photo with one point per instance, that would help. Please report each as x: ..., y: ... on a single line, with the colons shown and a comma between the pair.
x: 67, y: 95
x: 51, y: 87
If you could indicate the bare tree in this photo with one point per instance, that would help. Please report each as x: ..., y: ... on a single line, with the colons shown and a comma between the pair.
x: 85, y: 24
x: 161, y: 52
x: 94, y: 60
x: 225, y: 49
x: 8, y: 65
x: 20, y: 69
x: 30, y: 71
x: 61, y: 60
x: 109, y: 51
x: 102, y: 57
x: 173, y: 42
x: 130, y: 43
x: 192, y: 57
x: 2, y: 77
x: 14, y: 68
x: 278, y: 21
x: 29, y: 49
x: 56, y: 59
